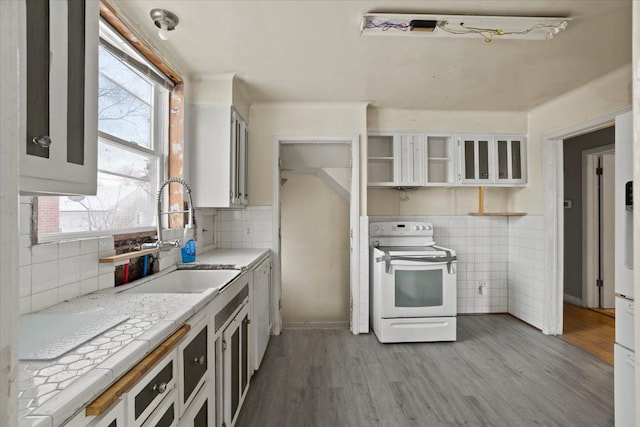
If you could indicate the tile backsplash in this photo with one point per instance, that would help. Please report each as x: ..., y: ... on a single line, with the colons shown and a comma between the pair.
x: 251, y: 227
x: 526, y: 268
x: 500, y: 262
x: 51, y: 273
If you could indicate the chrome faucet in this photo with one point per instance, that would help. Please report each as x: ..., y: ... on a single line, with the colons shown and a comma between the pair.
x: 162, y: 244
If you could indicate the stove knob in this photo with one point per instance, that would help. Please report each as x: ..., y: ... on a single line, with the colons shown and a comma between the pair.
x: 416, y: 228
x: 423, y: 228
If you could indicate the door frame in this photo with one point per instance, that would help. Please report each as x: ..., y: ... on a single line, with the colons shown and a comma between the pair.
x: 553, y: 216
x: 590, y: 259
x: 354, y: 224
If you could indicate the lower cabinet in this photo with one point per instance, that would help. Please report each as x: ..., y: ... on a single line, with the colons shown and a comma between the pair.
x: 235, y: 364
x: 145, y: 396
x: 200, y: 412
x: 166, y: 414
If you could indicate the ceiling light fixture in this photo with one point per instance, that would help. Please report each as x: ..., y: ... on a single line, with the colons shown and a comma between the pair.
x: 165, y: 20
x: 488, y: 27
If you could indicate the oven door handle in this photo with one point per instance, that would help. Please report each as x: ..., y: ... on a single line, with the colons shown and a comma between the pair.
x: 387, y: 258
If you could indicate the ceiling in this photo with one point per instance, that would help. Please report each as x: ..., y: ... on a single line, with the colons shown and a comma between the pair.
x: 312, y: 51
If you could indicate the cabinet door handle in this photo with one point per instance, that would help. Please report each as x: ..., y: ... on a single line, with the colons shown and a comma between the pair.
x: 247, y: 321
x: 199, y: 360
x: 43, y: 141
x: 160, y: 388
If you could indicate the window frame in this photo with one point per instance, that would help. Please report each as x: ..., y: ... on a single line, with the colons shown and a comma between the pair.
x: 160, y: 119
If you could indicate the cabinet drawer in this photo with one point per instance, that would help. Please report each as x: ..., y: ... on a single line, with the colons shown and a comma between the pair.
x: 194, y: 361
x: 113, y: 418
x: 166, y: 414
x: 624, y: 322
x: 145, y: 396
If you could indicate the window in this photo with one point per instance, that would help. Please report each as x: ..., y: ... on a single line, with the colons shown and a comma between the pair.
x: 132, y: 124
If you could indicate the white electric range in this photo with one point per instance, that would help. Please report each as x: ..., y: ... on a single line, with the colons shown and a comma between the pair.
x: 413, y: 284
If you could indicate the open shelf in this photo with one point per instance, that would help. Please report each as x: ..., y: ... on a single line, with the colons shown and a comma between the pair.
x: 481, y: 211
x: 114, y: 259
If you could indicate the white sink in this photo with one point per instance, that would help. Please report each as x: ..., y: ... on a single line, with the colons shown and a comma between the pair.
x: 185, y: 282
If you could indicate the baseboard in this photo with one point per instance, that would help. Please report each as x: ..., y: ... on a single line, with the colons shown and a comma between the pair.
x: 573, y: 300
x: 315, y: 325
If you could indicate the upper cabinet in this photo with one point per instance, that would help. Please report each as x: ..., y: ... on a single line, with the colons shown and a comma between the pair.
x: 440, y: 160
x: 492, y: 160
x: 476, y: 161
x: 510, y: 159
x: 59, y: 153
x: 402, y: 159
x: 395, y: 159
x: 219, y: 157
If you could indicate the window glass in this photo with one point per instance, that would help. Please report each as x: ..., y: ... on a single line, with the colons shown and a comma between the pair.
x: 124, y: 102
x: 129, y: 157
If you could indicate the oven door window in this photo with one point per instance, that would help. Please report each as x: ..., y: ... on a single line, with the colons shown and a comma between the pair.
x: 418, y: 288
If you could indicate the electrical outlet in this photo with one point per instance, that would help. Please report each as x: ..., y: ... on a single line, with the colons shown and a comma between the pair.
x: 481, y: 286
x: 248, y: 230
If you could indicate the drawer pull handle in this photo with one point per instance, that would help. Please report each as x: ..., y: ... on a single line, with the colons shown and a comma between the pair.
x: 43, y: 141
x: 160, y: 388
x: 199, y: 360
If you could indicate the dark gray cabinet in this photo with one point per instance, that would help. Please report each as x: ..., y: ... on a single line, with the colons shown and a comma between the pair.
x: 235, y: 362
x: 59, y: 152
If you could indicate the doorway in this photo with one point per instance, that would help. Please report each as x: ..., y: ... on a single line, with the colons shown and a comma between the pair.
x: 588, y: 218
x: 316, y: 231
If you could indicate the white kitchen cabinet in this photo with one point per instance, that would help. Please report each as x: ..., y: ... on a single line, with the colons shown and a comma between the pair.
x: 59, y: 152
x: 236, y: 364
x: 476, y: 159
x: 395, y: 159
x: 145, y: 397
x: 200, y: 412
x: 261, y: 302
x: 492, y: 159
x: 440, y: 160
x: 219, y: 157
x: 166, y: 414
x: 510, y: 159
x: 193, y: 361
x: 381, y: 160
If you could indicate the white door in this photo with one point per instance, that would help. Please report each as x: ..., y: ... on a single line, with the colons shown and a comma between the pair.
x: 608, y: 230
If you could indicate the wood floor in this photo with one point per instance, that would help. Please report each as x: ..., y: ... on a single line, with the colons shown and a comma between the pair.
x: 591, y: 331
x: 500, y: 372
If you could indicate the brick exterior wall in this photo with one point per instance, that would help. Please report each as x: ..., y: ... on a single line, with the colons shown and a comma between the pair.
x: 48, y: 215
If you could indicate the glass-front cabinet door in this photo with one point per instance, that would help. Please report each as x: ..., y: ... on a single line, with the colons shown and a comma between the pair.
x: 511, y: 160
x: 476, y: 160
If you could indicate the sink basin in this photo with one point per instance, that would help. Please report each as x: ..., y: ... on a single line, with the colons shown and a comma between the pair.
x: 185, y: 282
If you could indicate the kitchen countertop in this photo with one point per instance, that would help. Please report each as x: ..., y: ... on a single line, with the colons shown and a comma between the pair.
x: 238, y: 259
x: 50, y: 392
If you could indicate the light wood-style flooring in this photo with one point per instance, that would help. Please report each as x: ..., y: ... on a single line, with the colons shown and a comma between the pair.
x: 500, y: 372
x: 590, y: 330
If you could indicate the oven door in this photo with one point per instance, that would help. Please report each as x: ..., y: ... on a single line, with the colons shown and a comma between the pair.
x: 418, y: 289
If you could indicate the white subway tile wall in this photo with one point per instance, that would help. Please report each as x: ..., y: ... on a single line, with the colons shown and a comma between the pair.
x: 251, y: 227
x: 481, y: 245
x: 526, y: 268
x: 51, y: 273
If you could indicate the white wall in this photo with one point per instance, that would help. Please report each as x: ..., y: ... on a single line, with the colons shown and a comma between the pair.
x: 10, y: 26
x: 440, y: 201
x: 270, y: 120
x: 608, y: 94
x: 315, y: 251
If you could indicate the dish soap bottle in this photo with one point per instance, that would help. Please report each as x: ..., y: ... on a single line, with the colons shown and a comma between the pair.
x: 189, y: 252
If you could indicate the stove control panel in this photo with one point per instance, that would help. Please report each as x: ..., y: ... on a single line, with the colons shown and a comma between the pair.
x: 401, y: 228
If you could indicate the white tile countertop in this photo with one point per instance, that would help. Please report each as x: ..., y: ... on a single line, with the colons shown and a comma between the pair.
x: 50, y: 392
x: 239, y: 259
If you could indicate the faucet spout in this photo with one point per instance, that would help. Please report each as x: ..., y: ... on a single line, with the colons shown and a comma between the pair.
x: 162, y: 244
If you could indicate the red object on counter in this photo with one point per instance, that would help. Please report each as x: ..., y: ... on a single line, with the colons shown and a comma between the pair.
x: 126, y: 274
